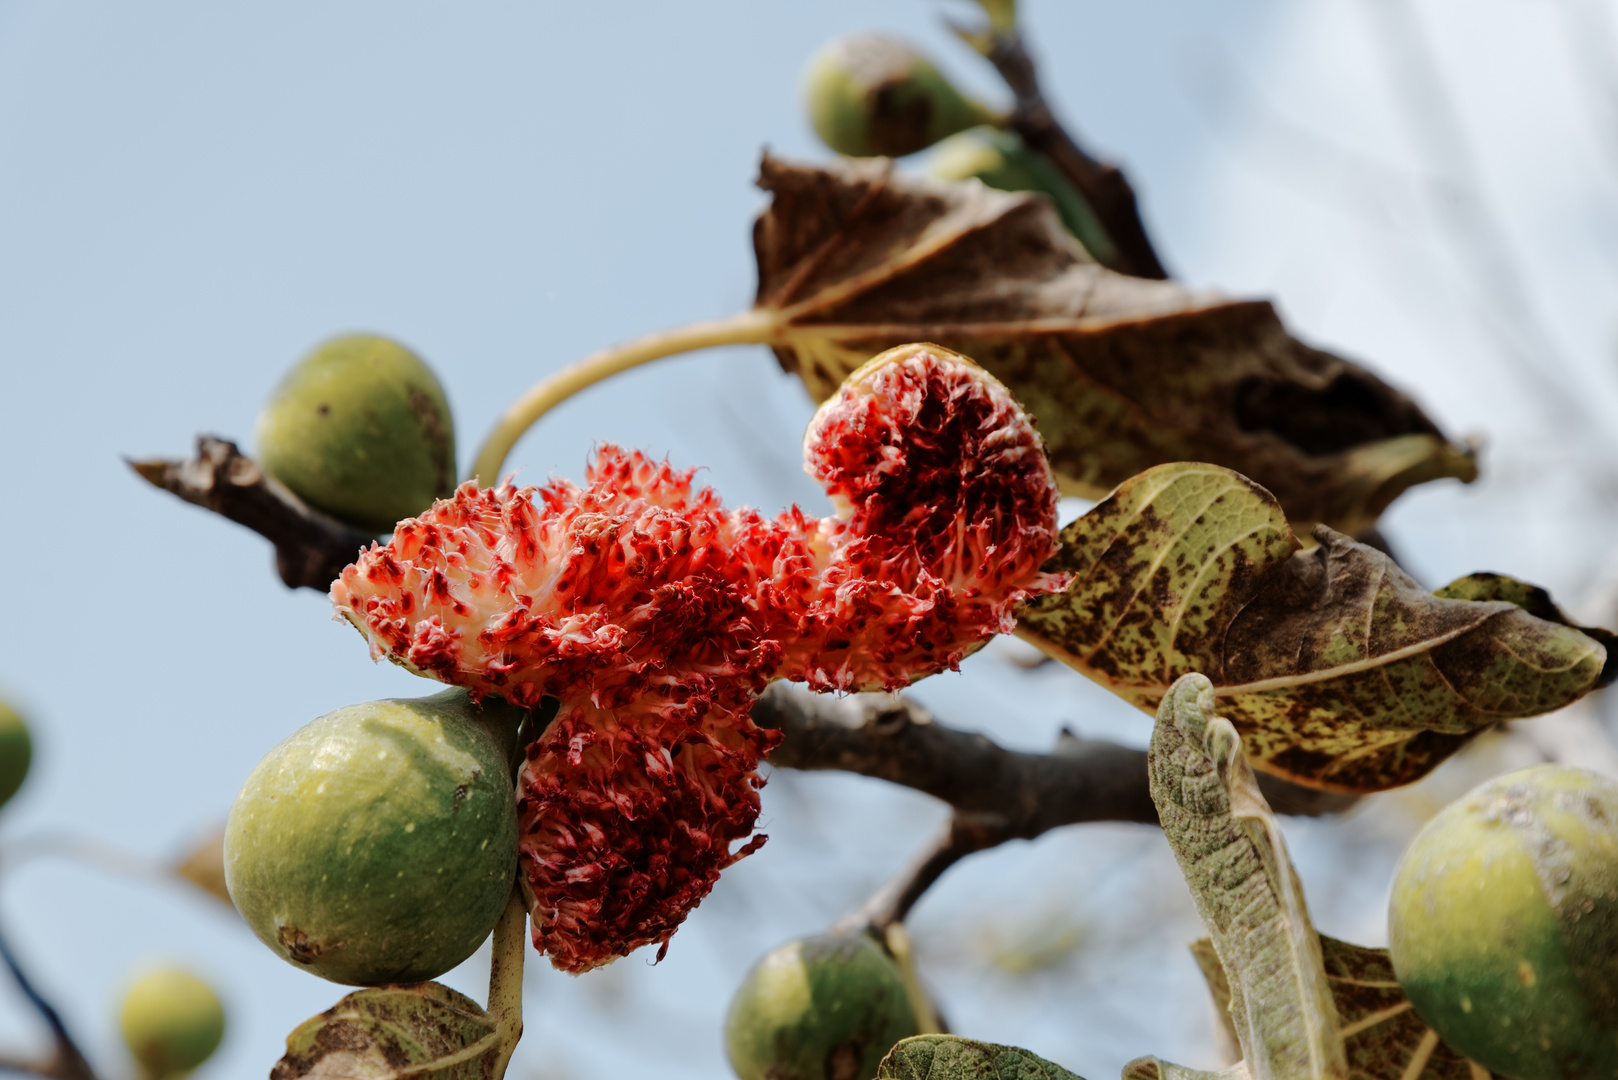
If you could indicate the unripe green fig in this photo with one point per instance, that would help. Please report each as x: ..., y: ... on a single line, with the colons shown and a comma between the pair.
x: 379, y: 843
x: 16, y: 752
x: 171, y: 1021
x: 821, y: 1008
x: 1003, y: 161
x: 360, y: 430
x: 1503, y: 924
x: 872, y: 96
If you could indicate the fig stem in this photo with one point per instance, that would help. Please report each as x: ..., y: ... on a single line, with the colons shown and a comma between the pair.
x: 752, y: 327
x: 505, y: 977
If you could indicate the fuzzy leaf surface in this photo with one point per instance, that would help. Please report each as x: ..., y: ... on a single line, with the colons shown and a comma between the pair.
x: 1339, y: 671
x: 1230, y: 849
x: 1123, y: 373
x: 949, y: 1057
x: 1382, y: 1036
x: 423, y: 1031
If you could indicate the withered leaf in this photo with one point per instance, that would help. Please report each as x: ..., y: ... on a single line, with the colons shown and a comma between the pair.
x: 1339, y: 671
x: 949, y: 1057
x: 1383, y: 1037
x: 1537, y: 602
x: 1123, y: 373
x: 424, y: 1031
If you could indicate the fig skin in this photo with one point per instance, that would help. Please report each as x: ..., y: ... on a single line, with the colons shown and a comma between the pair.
x: 360, y: 430
x: 1503, y: 924
x: 171, y: 1021
x: 872, y: 96
x: 16, y: 752
x: 820, y: 1008
x: 1004, y: 162
x: 378, y: 844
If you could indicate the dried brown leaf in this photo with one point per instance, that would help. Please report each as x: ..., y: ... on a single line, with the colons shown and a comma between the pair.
x: 1123, y: 373
x: 1339, y: 671
x: 204, y: 866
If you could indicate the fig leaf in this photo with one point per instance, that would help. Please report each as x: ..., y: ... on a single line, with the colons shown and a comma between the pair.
x: 1339, y: 671
x: 425, y: 1031
x: 949, y: 1057
x: 1230, y: 849
x: 1383, y: 1037
x: 1123, y: 373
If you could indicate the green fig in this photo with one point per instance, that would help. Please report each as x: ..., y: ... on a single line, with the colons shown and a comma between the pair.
x: 378, y: 844
x: 360, y: 430
x: 1002, y: 160
x: 872, y: 96
x: 1503, y: 924
x: 172, y: 1022
x: 16, y: 752
x: 821, y: 1008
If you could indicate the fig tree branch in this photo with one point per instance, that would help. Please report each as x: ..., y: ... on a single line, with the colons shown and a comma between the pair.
x: 66, y: 1062
x: 1102, y: 183
x: 310, y: 548
x: 996, y: 794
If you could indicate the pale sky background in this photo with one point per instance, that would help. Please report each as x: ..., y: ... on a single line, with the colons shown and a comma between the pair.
x: 194, y: 194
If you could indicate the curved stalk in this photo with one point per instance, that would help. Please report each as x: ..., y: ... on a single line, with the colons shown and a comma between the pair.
x: 752, y: 327
x: 505, y: 978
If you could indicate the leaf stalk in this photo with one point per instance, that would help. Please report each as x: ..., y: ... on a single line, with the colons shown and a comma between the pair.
x: 756, y: 326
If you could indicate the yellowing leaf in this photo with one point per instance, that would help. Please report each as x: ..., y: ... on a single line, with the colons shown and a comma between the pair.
x: 1123, y: 373
x: 1339, y: 671
x: 949, y: 1057
x: 423, y: 1031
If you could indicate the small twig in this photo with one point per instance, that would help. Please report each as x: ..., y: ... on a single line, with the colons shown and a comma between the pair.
x: 310, y: 548
x: 963, y: 835
x: 505, y: 977
x: 66, y: 1063
x: 1102, y: 183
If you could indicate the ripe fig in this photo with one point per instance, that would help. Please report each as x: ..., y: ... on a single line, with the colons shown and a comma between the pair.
x: 1003, y: 161
x: 821, y: 1008
x: 360, y: 430
x: 16, y: 752
x: 172, y: 1022
x: 872, y: 96
x: 1503, y: 924
x: 379, y: 843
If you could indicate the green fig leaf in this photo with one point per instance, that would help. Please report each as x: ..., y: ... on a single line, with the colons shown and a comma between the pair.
x: 1383, y: 1037
x: 423, y: 1031
x: 1339, y: 670
x: 1231, y: 851
x: 1123, y: 373
x: 949, y: 1057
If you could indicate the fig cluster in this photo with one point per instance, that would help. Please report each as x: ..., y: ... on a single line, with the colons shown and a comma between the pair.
x: 819, y: 1008
x: 1503, y: 925
x: 873, y: 96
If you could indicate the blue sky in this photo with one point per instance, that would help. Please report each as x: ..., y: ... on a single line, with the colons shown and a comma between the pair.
x: 194, y: 194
